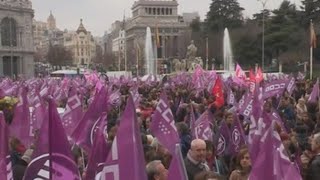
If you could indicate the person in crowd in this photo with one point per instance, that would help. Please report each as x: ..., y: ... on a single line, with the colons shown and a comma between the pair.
x: 207, y: 175
x: 185, y: 137
x: 229, y: 118
x: 156, y: 171
x: 20, y: 167
x: 215, y: 163
x: 243, y: 166
x: 17, y: 149
x: 195, y: 161
x: 314, y: 164
x: 301, y: 108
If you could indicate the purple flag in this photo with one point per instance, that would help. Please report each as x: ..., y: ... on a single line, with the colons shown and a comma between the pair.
x: 223, y: 139
x: 284, y: 168
x: 231, y: 98
x: 136, y: 97
x: 203, y: 127
x: 315, y: 93
x: 20, y: 126
x: 5, y: 163
x: 262, y: 167
x: 73, y: 113
x: 237, y: 136
x: 162, y: 125
x: 273, y: 88
x: 246, y: 109
x: 52, y: 157
x: 84, y: 132
x: 177, y: 169
x: 125, y: 160
x: 99, y: 152
x: 37, y: 112
x: 192, y: 122
x: 300, y: 76
x: 291, y: 85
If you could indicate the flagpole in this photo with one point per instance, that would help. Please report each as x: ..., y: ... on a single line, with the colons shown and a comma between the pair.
x: 311, y: 62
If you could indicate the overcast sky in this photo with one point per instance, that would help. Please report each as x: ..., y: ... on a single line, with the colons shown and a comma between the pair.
x: 98, y: 15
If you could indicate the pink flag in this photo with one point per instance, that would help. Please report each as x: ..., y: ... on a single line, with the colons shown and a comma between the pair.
x: 240, y: 73
x: 21, y: 125
x: 73, y: 112
x: 5, y: 163
x: 52, y: 157
x: 125, y: 160
x: 163, y: 125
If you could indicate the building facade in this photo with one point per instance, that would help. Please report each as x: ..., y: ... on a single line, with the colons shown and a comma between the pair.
x: 16, y: 38
x: 168, y: 31
x: 82, y: 45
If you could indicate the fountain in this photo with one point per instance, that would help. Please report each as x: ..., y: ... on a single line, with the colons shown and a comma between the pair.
x: 227, y: 52
x: 149, y: 56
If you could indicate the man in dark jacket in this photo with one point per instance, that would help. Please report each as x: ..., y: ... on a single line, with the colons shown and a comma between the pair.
x: 314, y: 165
x: 195, y: 161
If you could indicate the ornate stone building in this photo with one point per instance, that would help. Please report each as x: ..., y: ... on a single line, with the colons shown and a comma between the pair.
x: 51, y: 22
x: 161, y: 16
x: 16, y: 38
x: 82, y: 45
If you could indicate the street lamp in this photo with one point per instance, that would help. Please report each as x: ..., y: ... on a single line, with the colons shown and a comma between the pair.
x: 263, y: 2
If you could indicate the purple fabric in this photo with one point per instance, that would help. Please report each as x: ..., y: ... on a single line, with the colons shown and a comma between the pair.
x: 5, y: 163
x: 262, y: 167
x: 125, y: 160
x: 203, y: 127
x: 231, y: 98
x: 177, y: 168
x: 273, y: 88
x: 73, y: 112
x: 20, y: 126
x: 163, y: 125
x: 83, y: 133
x: 246, y: 109
x: 315, y: 93
x: 237, y: 138
x: 223, y: 139
x: 291, y: 85
x: 52, y: 156
x: 37, y: 112
x: 99, y: 152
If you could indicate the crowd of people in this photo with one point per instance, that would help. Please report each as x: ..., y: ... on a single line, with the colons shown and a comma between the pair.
x: 299, y: 133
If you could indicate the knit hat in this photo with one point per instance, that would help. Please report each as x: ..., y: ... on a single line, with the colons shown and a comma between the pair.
x: 27, y: 155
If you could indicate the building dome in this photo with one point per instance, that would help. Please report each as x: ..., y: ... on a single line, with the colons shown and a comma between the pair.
x: 81, y: 28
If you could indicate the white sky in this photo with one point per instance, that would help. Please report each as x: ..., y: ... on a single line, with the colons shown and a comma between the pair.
x: 98, y: 15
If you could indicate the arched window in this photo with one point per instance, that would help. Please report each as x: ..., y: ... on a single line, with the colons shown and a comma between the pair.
x: 170, y: 11
x: 158, y: 11
x: 154, y: 11
x: 167, y: 11
x: 8, y: 32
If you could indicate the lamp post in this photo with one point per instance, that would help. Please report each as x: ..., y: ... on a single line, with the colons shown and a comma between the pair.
x: 207, y: 53
x: 263, y: 2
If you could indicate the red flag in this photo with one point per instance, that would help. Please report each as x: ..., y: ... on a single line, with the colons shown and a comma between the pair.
x: 313, y: 36
x: 217, y: 92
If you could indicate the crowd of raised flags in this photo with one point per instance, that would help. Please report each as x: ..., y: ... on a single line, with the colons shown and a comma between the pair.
x: 93, y: 105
